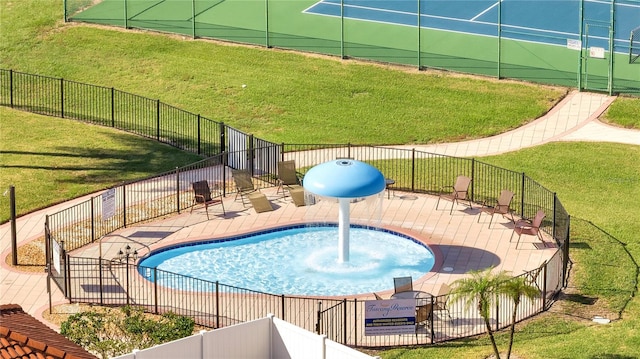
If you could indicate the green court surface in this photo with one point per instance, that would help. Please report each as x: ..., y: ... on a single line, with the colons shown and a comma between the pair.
x: 285, y: 24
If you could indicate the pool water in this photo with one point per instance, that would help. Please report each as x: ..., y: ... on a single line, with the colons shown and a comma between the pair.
x: 299, y: 261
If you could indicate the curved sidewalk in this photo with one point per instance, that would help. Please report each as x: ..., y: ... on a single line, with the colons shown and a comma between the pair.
x: 573, y: 119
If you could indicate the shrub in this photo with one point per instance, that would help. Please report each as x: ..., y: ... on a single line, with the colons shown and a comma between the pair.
x: 109, y: 333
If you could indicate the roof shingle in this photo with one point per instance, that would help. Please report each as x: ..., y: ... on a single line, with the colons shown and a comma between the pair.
x: 24, y: 337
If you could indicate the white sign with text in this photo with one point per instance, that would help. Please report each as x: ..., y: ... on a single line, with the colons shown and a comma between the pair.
x: 108, y: 204
x: 392, y: 316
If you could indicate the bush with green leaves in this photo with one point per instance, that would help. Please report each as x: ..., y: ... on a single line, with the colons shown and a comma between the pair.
x: 109, y: 333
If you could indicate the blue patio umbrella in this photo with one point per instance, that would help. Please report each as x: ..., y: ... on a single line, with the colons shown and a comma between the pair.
x: 344, y: 179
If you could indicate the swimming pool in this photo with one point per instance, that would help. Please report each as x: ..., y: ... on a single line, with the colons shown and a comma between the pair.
x: 296, y: 260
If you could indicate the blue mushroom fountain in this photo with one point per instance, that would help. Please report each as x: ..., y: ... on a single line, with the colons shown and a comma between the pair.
x: 344, y: 179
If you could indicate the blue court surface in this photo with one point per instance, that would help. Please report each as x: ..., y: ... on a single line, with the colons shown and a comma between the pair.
x: 548, y: 21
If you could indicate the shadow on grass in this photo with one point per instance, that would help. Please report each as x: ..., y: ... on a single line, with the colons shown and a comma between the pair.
x: 607, y: 269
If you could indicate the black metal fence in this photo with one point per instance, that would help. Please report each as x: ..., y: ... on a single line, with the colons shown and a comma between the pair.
x: 112, y: 108
x: 215, y: 304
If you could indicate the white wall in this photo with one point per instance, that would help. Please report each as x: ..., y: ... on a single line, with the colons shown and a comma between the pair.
x: 266, y: 338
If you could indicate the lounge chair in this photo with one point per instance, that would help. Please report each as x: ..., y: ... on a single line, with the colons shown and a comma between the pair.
x: 377, y: 296
x: 502, y: 206
x: 532, y: 276
x: 287, y: 176
x: 531, y: 228
x: 423, y: 315
x: 458, y: 192
x: 297, y: 195
x: 202, y: 195
x: 402, y: 284
x: 244, y: 184
x: 442, y: 300
x: 260, y: 202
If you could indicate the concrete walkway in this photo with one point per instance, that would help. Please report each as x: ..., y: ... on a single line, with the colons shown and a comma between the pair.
x: 573, y: 119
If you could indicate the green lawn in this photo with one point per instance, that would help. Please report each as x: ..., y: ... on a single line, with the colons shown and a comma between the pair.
x: 298, y: 99
x: 50, y: 160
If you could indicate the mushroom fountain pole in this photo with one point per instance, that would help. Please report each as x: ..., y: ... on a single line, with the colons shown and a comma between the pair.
x: 344, y: 179
x: 344, y: 224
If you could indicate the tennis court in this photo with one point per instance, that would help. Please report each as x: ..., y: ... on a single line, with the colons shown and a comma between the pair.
x: 525, y: 20
x: 576, y: 43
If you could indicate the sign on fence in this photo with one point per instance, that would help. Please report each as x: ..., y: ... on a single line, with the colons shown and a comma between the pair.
x: 393, y: 316
x: 108, y: 204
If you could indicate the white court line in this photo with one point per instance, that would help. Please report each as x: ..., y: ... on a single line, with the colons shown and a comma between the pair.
x: 485, y: 10
x: 532, y: 29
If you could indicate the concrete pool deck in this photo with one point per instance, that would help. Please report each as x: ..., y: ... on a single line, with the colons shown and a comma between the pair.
x: 460, y: 243
x: 574, y: 119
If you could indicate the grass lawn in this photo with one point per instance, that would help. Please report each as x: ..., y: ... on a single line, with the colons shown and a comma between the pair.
x: 296, y: 99
x: 50, y: 160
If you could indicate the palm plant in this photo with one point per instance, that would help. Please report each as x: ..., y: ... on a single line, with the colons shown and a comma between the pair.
x: 515, y: 289
x: 481, y: 288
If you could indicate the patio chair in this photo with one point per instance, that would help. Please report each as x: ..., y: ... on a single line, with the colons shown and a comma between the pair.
x: 532, y: 276
x: 403, y: 284
x: 260, y: 202
x: 442, y: 300
x: 502, y: 206
x: 458, y: 192
x: 202, y: 195
x: 287, y: 176
x: 527, y: 227
x: 244, y: 184
x: 423, y: 315
x: 297, y: 195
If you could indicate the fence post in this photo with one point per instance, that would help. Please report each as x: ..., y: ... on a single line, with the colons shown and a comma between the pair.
x: 47, y: 245
x: 251, y: 154
x: 348, y: 149
x: 432, y: 331
x: 553, y: 228
x: 565, y: 253
x: 223, y: 142
x: 199, y: 136
x: 217, y: 305
x: 11, y: 88
x: 100, y: 280
x: 544, y: 285
x: 158, y: 120
x: 266, y: 24
x: 355, y: 322
x: 61, y: 97
x: 155, y: 290
x: 344, y: 321
x: 67, y: 271
x: 419, y: 36
x: 319, y: 318
x: 497, y: 315
x: 178, y: 189
x: 124, y: 205
x: 473, y: 177
x: 127, y: 273
x: 413, y: 169
x: 282, y: 306
x: 113, y: 107
x: 14, y: 233
x: 522, y: 195
x: 193, y: 19
x: 93, y: 220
